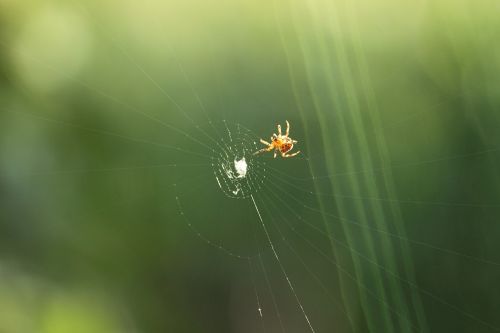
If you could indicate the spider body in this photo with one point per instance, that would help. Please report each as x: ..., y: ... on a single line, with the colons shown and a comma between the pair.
x: 286, y: 147
x: 280, y: 143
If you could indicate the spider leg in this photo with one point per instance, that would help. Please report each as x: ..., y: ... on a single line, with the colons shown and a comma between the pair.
x: 275, y: 153
x: 279, y: 129
x: 290, y: 155
x: 268, y: 148
x: 294, y: 141
x: 263, y: 150
x: 287, y: 128
x: 265, y: 142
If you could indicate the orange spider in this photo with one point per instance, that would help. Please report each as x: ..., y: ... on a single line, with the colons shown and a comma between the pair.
x: 281, y: 143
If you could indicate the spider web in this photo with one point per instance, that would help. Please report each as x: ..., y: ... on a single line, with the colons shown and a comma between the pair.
x: 318, y: 255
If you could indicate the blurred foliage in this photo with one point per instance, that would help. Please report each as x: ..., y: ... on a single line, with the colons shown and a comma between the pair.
x: 397, y: 101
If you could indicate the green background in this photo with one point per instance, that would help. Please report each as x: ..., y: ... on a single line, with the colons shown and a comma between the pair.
x: 388, y: 221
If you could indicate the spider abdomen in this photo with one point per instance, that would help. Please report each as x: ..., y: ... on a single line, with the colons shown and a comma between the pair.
x: 286, y: 147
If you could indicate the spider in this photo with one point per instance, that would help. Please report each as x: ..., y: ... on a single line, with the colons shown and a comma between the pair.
x: 281, y: 143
